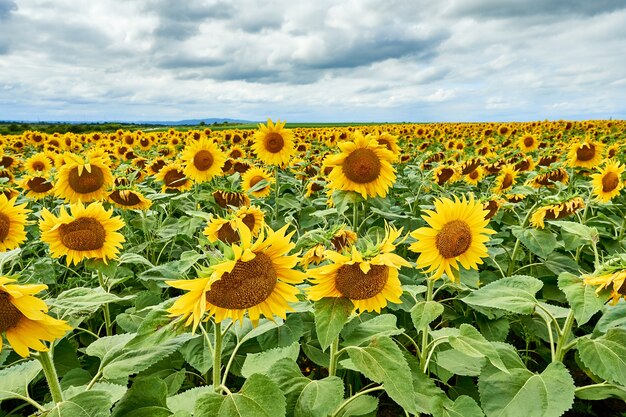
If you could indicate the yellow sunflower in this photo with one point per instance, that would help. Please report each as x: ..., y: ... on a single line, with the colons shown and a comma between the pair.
x: 528, y: 143
x: 608, y: 183
x: 555, y: 211
x: 229, y: 198
x: 23, y: 318
x: 129, y: 200
x: 474, y: 177
x: 363, y: 166
x: 253, y: 217
x: 174, y: 178
x: 506, y: 179
x: 36, y: 187
x: 585, y: 155
x: 343, y: 238
x: 203, y: 160
x: 225, y: 230
x: 273, y: 144
x: 259, y: 280
x: 89, y: 232
x: 82, y: 182
x: 457, y: 234
x: 38, y: 164
x: 391, y: 143
x: 615, y: 279
x: 251, y: 179
x: 370, y: 281
x: 314, y: 255
x: 12, y: 222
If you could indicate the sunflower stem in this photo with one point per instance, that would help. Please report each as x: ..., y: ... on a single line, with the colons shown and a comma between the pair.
x: 217, y: 359
x: 354, y: 397
x: 105, y: 308
x: 45, y: 358
x: 334, y: 347
x: 355, y: 215
x: 276, y: 192
x: 430, y: 284
x: 561, y: 348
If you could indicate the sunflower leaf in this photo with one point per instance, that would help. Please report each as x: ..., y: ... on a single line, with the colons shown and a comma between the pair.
x: 319, y: 397
x: 474, y: 344
x: 14, y: 380
x: 94, y: 403
x: 515, y: 294
x: 463, y: 406
x: 260, y: 363
x: 383, y: 325
x: 539, y: 242
x: 582, y: 298
x: 522, y: 393
x: 330, y: 316
x: 424, y: 312
x: 259, y: 397
x: 605, y: 356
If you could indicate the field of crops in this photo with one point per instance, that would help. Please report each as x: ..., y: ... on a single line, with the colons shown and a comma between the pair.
x: 387, y: 270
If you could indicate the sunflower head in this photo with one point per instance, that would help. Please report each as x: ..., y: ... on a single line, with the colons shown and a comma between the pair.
x: 203, y: 160
x: 80, y: 181
x: 273, y: 144
x: 457, y: 233
x: 174, y: 178
x: 608, y: 183
x: 610, y: 276
x: 128, y: 199
x: 257, y: 181
x: 12, y: 223
x: 587, y: 154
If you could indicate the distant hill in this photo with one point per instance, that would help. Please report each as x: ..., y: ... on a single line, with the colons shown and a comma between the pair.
x: 194, y: 122
x: 190, y: 122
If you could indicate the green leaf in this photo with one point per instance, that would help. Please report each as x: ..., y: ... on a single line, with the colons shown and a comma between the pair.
x: 115, y: 391
x: 612, y: 317
x: 582, y: 298
x: 515, y: 294
x: 291, y: 331
x: 540, y: 242
x: 493, y: 330
x: 605, y: 356
x: 287, y: 375
x: 473, y: 344
x: 198, y: 353
x: 134, y: 258
x: 587, y: 233
x: 260, y: 363
x: 319, y: 397
x: 132, y: 361
x: 247, y: 332
x: 362, y: 405
x: 601, y: 392
x: 382, y: 325
x: 383, y: 362
x: 185, y: 401
x: 457, y: 363
x: 259, y: 397
x: 463, y: 406
x: 145, y: 398
x: 427, y: 395
x: 424, y: 312
x: 14, y: 380
x: 522, y: 393
x: 330, y: 316
x: 92, y: 403
x: 85, y: 301
x: 107, y: 348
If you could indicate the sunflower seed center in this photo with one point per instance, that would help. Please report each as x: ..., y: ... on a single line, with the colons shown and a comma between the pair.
x: 174, y: 178
x: 38, y: 166
x: 274, y: 142
x: 529, y: 141
x: 83, y: 234
x: 128, y: 199
x: 362, y: 166
x: 9, y: 314
x: 86, y: 182
x: 227, y: 234
x: 255, y: 180
x: 453, y: 239
x: 39, y: 185
x: 586, y: 152
x: 247, y: 285
x: 249, y: 220
x: 203, y: 160
x: 5, y: 226
x: 507, y: 181
x: 609, y: 182
x: 352, y: 283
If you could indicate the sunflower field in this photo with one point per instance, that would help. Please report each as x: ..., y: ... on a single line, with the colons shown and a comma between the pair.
x: 452, y: 270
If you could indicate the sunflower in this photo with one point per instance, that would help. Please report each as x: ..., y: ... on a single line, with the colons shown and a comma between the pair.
x: 89, y: 232
x: 607, y: 183
x: 314, y: 185
x: 203, y: 160
x: 236, y: 152
x: 370, y: 280
x: 12, y: 222
x: 314, y: 255
x: 129, y: 200
x: 253, y: 217
x: 549, y: 178
x: 443, y: 174
x: 505, y: 179
x: 174, y: 178
x: 474, y: 177
x: 391, y: 143
x: 156, y: 165
x: 83, y: 182
x: 225, y: 230
x: 585, y: 155
x: 615, y: 279
x: 38, y: 164
x: 229, y: 198
x: 363, y: 166
x: 273, y: 144
x: 343, y: 238
x: 259, y: 280
x: 23, y: 318
x: 36, y: 187
x: 457, y: 234
x: 555, y: 211
x: 252, y: 182
x: 528, y: 143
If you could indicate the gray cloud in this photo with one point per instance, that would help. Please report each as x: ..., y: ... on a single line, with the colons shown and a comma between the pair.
x: 515, y: 9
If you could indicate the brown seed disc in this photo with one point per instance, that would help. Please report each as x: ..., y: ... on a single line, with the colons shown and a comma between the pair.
x: 235, y: 154
x: 492, y: 206
x: 157, y: 166
x: 453, y: 239
x: 473, y: 175
x: 39, y: 185
x: 203, y: 160
x: 5, y: 226
x: 38, y: 166
x: 86, y: 182
x: 610, y: 181
x: 444, y: 175
x: 586, y: 152
x: 507, y: 181
x: 249, y: 220
x: 352, y: 283
x: 10, y: 316
x: 255, y: 180
x: 273, y: 142
x: 83, y: 234
x: 529, y: 141
x: 247, y: 285
x: 129, y: 199
x: 362, y: 166
x: 385, y: 143
x: 174, y: 178
x: 227, y: 235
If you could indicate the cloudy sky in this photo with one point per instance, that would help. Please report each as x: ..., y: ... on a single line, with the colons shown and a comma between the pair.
x: 322, y: 60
